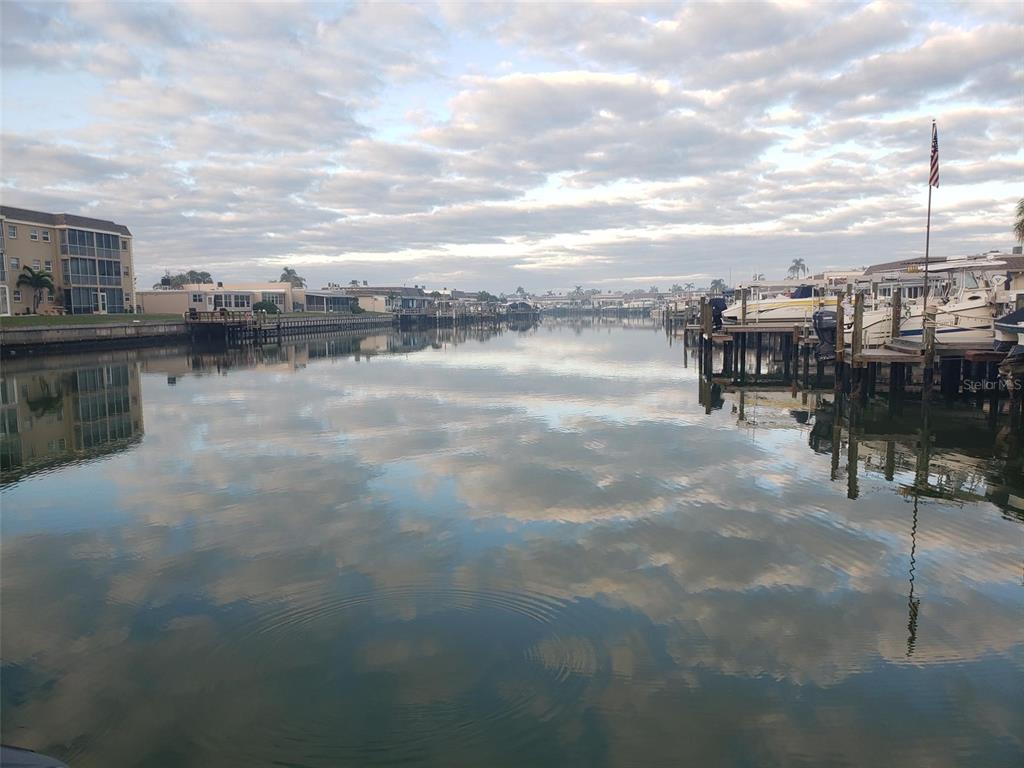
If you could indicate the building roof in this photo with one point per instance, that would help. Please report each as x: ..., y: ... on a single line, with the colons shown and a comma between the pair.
x: 383, y: 290
x: 328, y: 292
x: 1014, y: 262
x: 62, y: 220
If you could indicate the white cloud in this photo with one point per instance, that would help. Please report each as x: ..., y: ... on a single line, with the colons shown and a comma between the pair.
x: 507, y: 142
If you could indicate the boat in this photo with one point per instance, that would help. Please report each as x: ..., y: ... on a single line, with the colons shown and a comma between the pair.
x: 964, y: 308
x: 797, y: 307
x: 1009, y: 337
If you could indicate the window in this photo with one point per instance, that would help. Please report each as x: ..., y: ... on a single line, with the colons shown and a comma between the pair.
x: 126, y: 271
x: 46, y: 235
x: 12, y: 231
x: 36, y: 264
x: 124, y: 245
x: 197, y: 298
x: 275, y: 298
x: 241, y: 301
x: 17, y: 295
x: 83, y: 272
x: 48, y: 265
x: 110, y: 272
x: 15, y: 264
x: 49, y: 299
x: 33, y: 234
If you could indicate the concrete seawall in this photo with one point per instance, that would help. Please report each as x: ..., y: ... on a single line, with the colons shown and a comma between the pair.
x: 17, y: 342
x: 14, y: 341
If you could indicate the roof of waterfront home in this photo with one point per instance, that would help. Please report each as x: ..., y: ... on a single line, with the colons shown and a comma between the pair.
x: 383, y: 290
x: 62, y: 220
x: 1009, y: 262
x: 328, y: 292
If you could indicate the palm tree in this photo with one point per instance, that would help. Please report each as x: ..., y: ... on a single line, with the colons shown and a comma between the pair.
x: 37, y: 282
x: 717, y: 285
x: 289, y: 275
x: 578, y: 290
x: 1018, y: 226
x: 759, y: 277
x: 689, y: 287
x: 797, y: 268
x: 47, y: 402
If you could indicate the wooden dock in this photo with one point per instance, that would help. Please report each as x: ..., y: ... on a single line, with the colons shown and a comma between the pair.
x: 753, y: 354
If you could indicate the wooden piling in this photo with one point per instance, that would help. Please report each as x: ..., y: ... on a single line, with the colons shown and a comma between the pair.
x: 896, y: 312
x: 840, y: 345
x: 757, y: 356
x: 928, y: 375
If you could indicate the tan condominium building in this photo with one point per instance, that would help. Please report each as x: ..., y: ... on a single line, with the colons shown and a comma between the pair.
x: 89, y: 261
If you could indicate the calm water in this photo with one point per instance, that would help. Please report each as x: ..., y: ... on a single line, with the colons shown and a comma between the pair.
x: 523, y: 549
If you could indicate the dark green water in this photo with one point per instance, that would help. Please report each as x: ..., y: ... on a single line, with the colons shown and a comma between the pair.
x: 532, y: 549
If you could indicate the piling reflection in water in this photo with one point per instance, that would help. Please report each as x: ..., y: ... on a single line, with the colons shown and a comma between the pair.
x: 529, y: 548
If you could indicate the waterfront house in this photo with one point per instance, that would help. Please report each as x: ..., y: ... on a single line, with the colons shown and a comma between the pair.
x: 208, y: 297
x: 395, y: 299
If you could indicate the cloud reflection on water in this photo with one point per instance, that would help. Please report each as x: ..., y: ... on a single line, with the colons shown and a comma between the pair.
x: 414, y: 556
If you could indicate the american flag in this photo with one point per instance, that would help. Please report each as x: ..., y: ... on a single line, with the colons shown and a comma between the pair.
x: 933, y: 178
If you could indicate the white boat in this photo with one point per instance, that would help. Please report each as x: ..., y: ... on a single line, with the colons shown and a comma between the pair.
x: 798, y: 307
x: 1009, y: 330
x: 964, y: 309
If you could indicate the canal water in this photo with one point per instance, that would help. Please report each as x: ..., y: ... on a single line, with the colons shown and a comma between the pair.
x: 537, y: 547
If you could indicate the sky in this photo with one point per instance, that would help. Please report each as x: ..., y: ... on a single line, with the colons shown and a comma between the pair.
x: 497, y: 145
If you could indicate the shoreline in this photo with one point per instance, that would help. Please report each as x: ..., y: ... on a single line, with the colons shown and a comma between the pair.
x: 45, y: 339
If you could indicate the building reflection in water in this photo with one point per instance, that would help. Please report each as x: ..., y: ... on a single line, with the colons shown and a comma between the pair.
x: 51, y: 417
x: 57, y: 410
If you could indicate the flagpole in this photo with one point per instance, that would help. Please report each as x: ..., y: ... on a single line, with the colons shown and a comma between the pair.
x: 927, y: 244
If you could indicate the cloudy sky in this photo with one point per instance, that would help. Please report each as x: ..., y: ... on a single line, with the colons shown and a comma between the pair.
x: 497, y: 145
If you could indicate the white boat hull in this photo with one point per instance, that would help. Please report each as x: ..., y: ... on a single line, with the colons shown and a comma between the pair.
x: 783, y: 310
x: 967, y: 321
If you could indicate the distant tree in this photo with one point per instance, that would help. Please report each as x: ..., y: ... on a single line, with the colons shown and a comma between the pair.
x: 1018, y: 225
x: 653, y: 289
x: 266, y: 306
x: 758, y: 276
x: 289, y: 275
x: 37, y: 282
x: 676, y: 288
x: 191, y: 277
x: 578, y: 290
x: 796, y: 269
x: 486, y: 297
x: 717, y: 285
x: 353, y: 282
x: 520, y: 291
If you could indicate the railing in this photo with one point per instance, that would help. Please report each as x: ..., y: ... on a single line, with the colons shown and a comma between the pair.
x: 218, y: 316
x: 90, y: 252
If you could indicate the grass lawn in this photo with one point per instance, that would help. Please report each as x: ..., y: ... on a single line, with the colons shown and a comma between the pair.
x: 44, y: 321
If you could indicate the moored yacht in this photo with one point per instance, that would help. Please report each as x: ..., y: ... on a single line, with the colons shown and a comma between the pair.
x: 797, y: 306
x: 1009, y: 336
x: 964, y: 305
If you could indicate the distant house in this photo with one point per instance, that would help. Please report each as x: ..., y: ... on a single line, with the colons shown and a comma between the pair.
x: 395, y: 299
x: 208, y: 297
